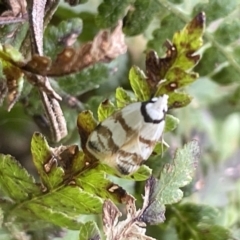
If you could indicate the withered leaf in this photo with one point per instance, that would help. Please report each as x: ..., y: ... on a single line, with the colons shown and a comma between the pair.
x: 130, y: 228
x: 105, y: 47
x: 156, y: 68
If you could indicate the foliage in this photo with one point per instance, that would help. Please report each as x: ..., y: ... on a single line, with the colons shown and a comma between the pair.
x: 62, y: 186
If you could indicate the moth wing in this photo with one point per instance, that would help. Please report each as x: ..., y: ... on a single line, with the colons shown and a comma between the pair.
x: 115, y: 131
x: 124, y: 124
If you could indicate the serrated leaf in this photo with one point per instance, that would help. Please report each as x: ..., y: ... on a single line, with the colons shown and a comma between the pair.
x: 198, y: 213
x: 160, y: 148
x: 15, y: 182
x: 95, y: 181
x: 105, y: 110
x: 176, y: 78
x: 180, y: 174
x: 9, y: 57
x: 42, y: 154
x: 109, y: 12
x: 70, y: 200
x: 215, y: 9
x: 123, y: 98
x: 85, y: 80
x: 189, y: 40
x: 173, y: 176
x: 89, y: 231
x: 139, y: 84
x: 178, y: 99
x: 214, y: 232
x: 171, y: 123
x: 86, y: 123
x: 169, y: 25
x: 65, y: 34
x: 17, y: 32
x: 139, y: 17
x: 142, y: 174
x: 57, y: 218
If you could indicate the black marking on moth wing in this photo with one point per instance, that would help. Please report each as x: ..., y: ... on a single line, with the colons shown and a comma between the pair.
x: 122, y: 170
x: 94, y: 146
x: 145, y: 114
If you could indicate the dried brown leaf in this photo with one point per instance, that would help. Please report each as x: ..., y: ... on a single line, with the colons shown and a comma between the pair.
x: 105, y: 47
x: 130, y: 228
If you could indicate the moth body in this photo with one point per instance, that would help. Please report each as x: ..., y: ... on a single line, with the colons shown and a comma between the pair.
x: 126, y: 139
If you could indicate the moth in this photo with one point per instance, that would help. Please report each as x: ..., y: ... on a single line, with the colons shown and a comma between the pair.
x: 126, y: 139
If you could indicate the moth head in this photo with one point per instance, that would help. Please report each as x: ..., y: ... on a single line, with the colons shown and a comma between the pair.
x: 155, y: 109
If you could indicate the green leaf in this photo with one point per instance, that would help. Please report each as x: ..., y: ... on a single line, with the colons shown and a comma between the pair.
x: 169, y: 25
x: 189, y: 40
x: 139, y: 17
x: 70, y: 200
x: 15, y: 182
x: 139, y: 84
x: 176, y: 78
x: 142, y: 174
x: 171, y: 123
x: 17, y: 31
x: 86, y: 123
x: 178, y: 99
x: 42, y: 154
x: 10, y: 57
x: 57, y: 218
x: 87, y: 79
x: 94, y: 181
x: 123, y: 98
x: 64, y: 34
x: 109, y: 12
x: 173, y: 176
x: 227, y: 32
x: 180, y: 174
x: 105, y: 110
x: 215, y: 9
x: 214, y: 232
x: 89, y: 231
x: 200, y: 221
x: 160, y: 148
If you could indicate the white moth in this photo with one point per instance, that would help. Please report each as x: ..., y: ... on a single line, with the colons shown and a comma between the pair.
x: 126, y: 139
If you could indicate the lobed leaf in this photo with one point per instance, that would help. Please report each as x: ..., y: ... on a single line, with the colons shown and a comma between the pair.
x: 42, y: 154
x: 70, y: 200
x: 188, y: 41
x: 89, y: 230
x: 171, y: 123
x: 178, y: 99
x: 109, y: 12
x: 9, y: 57
x: 123, y: 98
x: 139, y: 17
x: 139, y: 84
x: 65, y: 34
x: 201, y: 221
x: 169, y: 24
x: 86, y: 123
x: 57, y: 218
x: 94, y: 181
x: 15, y: 181
x: 105, y: 110
x: 180, y: 174
x: 173, y: 176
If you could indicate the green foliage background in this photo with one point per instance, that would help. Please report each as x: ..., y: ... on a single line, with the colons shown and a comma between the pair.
x: 212, y: 117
